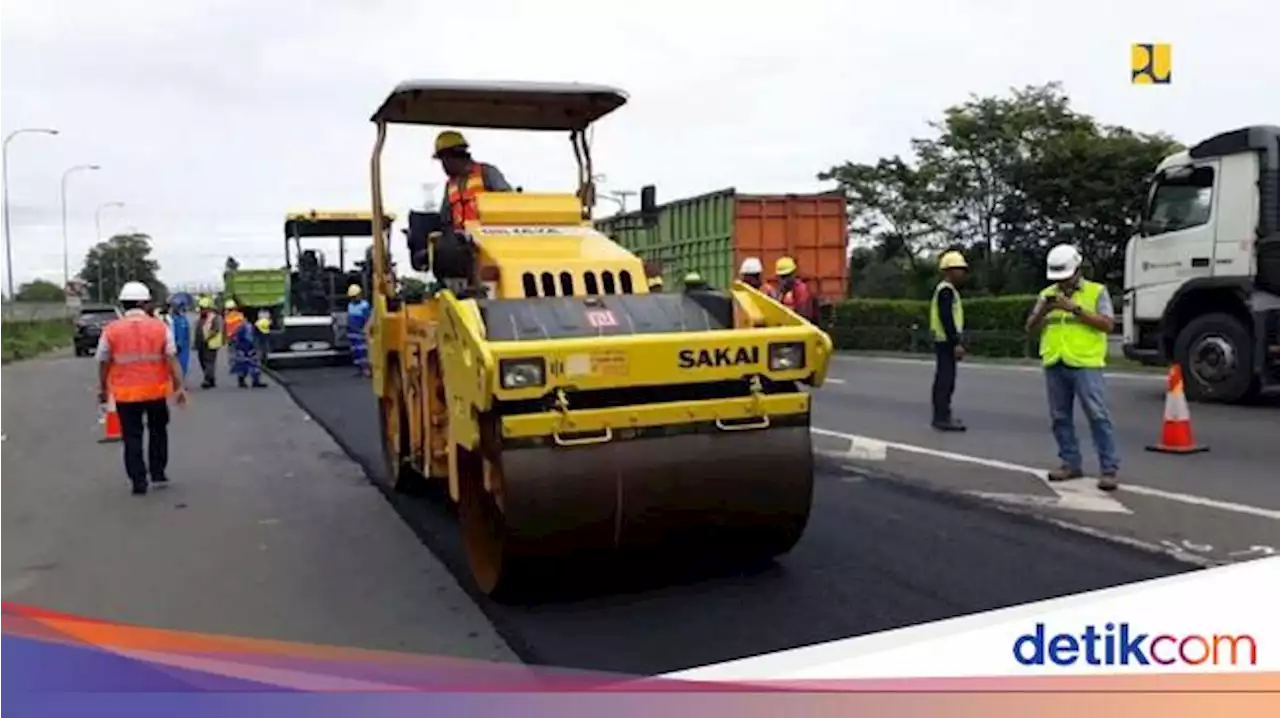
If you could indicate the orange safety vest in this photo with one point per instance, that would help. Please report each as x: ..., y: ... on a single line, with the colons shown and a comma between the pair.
x: 798, y: 299
x: 138, y: 369
x: 462, y: 196
x: 232, y: 323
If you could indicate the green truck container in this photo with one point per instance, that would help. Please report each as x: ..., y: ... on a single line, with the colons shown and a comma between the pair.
x: 713, y: 233
x: 258, y: 288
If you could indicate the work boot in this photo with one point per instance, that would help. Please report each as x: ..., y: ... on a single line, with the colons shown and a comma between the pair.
x: 160, y: 481
x: 949, y: 425
x: 257, y: 384
x: 1065, y: 473
x: 241, y: 383
x: 1108, y: 482
x: 139, y: 489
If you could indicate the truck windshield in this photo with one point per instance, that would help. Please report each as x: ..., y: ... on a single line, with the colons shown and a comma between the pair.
x: 1179, y: 200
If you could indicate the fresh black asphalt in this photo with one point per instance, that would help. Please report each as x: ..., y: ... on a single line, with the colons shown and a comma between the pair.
x: 877, y: 555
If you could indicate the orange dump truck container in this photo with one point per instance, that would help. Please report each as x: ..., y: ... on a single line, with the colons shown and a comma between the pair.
x: 713, y: 233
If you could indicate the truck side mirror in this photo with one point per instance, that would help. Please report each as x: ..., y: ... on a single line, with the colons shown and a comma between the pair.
x: 1150, y: 227
x: 649, y: 205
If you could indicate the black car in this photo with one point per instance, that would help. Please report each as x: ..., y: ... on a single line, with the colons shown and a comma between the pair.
x: 89, y: 324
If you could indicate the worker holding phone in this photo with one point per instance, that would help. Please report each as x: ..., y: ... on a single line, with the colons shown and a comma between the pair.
x: 1075, y: 317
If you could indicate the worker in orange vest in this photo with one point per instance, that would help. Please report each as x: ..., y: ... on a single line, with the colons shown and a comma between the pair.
x: 232, y: 318
x: 466, y: 179
x: 138, y: 369
x: 794, y: 292
x: 752, y: 273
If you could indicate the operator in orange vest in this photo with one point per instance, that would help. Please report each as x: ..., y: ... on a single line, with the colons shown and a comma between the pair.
x: 466, y: 179
x: 138, y: 369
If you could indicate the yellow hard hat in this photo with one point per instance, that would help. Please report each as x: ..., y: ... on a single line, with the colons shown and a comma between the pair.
x: 206, y: 303
x: 785, y: 266
x: 693, y: 278
x: 448, y: 140
x: 952, y: 260
x: 655, y: 281
x: 230, y: 304
x: 353, y: 290
x: 263, y: 325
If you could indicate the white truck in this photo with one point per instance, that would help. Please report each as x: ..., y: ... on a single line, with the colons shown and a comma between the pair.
x: 1202, y: 278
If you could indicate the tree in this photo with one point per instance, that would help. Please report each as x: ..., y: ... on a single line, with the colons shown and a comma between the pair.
x: 1003, y: 179
x: 122, y: 258
x: 1097, y: 203
x: 894, y: 206
x: 40, y: 290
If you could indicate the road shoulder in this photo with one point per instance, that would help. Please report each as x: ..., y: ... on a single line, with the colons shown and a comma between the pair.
x: 268, y: 530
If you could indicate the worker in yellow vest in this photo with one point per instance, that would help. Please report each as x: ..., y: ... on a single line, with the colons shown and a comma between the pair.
x: 1075, y: 317
x: 946, y: 324
x: 208, y: 341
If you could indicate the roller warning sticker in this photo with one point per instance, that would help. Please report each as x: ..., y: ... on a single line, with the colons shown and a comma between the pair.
x: 610, y: 363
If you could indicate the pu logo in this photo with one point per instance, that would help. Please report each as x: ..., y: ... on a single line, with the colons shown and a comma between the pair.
x: 1151, y: 64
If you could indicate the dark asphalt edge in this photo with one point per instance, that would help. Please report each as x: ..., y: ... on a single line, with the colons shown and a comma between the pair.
x: 523, y: 650
x: 1026, y: 516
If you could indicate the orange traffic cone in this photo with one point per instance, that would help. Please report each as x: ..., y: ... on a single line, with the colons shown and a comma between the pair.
x: 110, y: 423
x: 1175, y: 437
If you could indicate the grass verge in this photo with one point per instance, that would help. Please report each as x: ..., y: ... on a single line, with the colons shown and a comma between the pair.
x: 23, y: 340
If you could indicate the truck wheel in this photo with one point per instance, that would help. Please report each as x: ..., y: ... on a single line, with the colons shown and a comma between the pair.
x: 1216, y: 354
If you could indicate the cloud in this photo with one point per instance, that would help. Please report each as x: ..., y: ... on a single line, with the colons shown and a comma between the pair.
x: 212, y: 119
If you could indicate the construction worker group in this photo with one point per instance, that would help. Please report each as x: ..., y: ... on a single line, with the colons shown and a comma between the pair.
x: 1073, y: 317
x: 790, y: 289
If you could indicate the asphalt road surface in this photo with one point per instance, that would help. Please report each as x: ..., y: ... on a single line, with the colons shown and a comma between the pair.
x: 267, y: 531
x: 1220, y: 506
x: 878, y: 554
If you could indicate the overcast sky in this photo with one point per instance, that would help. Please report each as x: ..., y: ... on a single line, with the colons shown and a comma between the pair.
x: 211, y: 119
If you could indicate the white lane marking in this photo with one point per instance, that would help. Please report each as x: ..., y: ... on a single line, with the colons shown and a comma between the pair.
x: 1075, y: 486
x: 1081, y: 499
x: 981, y: 365
x: 834, y: 380
x: 1077, y: 495
x: 1263, y: 550
x: 1272, y: 514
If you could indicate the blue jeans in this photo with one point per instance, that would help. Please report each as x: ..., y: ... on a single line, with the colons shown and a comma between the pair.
x: 1065, y: 384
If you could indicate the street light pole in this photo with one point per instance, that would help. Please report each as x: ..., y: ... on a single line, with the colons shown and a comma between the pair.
x: 66, y: 258
x: 8, y: 245
x: 97, y: 227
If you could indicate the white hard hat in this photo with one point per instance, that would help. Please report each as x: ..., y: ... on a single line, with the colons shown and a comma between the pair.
x: 751, y: 265
x: 1063, y: 262
x: 135, y: 292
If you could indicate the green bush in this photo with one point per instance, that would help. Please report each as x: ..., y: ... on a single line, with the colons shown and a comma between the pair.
x: 993, y: 326
x: 23, y: 340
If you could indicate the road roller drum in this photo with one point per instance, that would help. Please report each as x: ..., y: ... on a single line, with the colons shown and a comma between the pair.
x: 741, y: 495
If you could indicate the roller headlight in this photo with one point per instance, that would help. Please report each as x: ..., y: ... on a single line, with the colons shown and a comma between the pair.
x: 786, y: 357
x: 522, y: 373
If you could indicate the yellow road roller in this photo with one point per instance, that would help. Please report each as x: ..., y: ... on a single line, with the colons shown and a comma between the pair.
x: 567, y: 411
